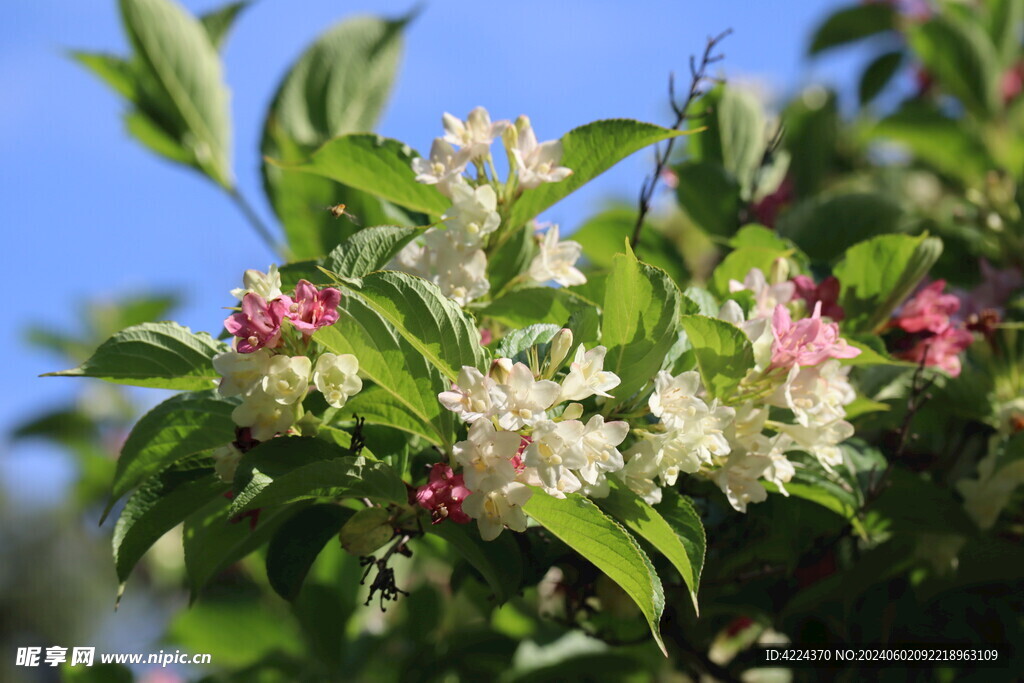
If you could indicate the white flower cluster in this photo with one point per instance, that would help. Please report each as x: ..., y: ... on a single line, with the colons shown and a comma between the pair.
x: 454, y: 257
x: 524, y: 430
x: 738, y: 446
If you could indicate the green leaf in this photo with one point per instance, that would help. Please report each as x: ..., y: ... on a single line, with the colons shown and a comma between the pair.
x: 603, y: 235
x: 724, y: 354
x: 377, y: 406
x: 754, y: 235
x: 157, y: 139
x: 872, y: 352
x: 709, y: 195
x: 338, y: 86
x: 517, y: 341
x: 377, y: 165
x: 181, y: 426
x: 185, y: 71
x: 159, y: 505
x: 369, y: 249
x: 511, y: 257
x: 533, y: 305
x: 936, y: 139
x: 825, y: 226
x: 736, y: 135
x: 961, y: 58
x: 296, y: 544
x: 589, y: 151
x: 120, y: 74
x: 499, y: 561
x: 878, y: 74
x: 851, y: 24
x: 214, y: 540
x: 812, y: 139
x: 391, y: 363
x: 428, y: 320
x: 158, y: 355
x: 741, y: 261
x: 646, y: 522
x: 1005, y: 18
x: 639, y: 323
x: 581, y: 525
x: 218, y: 23
x: 287, y: 469
x: 680, y: 514
x: 877, y: 275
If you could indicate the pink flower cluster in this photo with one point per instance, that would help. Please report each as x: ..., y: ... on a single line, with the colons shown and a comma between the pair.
x: 826, y: 293
x: 808, y: 341
x: 934, y: 338
x: 258, y: 324
x: 443, y: 495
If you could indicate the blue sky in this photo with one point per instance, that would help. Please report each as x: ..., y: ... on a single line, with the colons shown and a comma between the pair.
x: 88, y: 214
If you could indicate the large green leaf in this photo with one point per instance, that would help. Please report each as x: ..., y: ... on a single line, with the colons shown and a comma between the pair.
x: 710, y: 195
x: 159, y: 505
x: 581, y: 525
x: 217, y: 23
x: 177, y: 428
x: 878, y: 74
x: 159, y: 355
x: 377, y: 165
x: 741, y: 261
x: 296, y: 544
x: 428, y: 320
x: 589, y: 151
x: 287, y: 469
x: 639, y: 324
x: 724, y: 354
x: 878, y: 274
x: 185, y: 76
x: 853, y: 23
x: 646, y: 522
x: 393, y: 364
x: 961, y: 57
x: 533, y: 305
x: 604, y: 234
x: 120, y: 74
x: 1005, y: 18
x: 678, y: 511
x: 339, y: 85
x: 377, y: 405
x: 825, y: 226
x: 214, y: 540
x: 369, y: 249
x: 499, y: 561
x: 736, y: 135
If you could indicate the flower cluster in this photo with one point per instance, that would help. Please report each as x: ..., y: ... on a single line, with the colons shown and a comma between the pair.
x: 932, y: 337
x: 454, y: 255
x: 525, y: 428
x: 797, y: 368
x: 274, y: 364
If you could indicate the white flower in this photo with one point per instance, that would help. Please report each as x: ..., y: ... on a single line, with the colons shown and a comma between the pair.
x: 267, y: 285
x: 556, y: 447
x: 264, y: 416
x: 537, y: 163
x: 486, y: 455
x: 287, y: 378
x: 641, y: 468
x: 675, y: 398
x: 496, y: 507
x: 444, y: 167
x: 523, y: 400
x: 758, y: 331
x: 413, y: 258
x: 587, y: 375
x: 475, y: 134
x: 746, y: 429
x: 225, y: 462
x: 821, y: 441
x: 738, y: 479
x: 567, y: 482
x: 816, y: 394
x: 695, y: 441
x: 781, y: 470
x: 766, y: 296
x: 556, y: 260
x: 336, y: 377
x: 460, y: 272
x: 473, y: 214
x: 240, y: 371
x: 599, y: 443
x: 470, y: 395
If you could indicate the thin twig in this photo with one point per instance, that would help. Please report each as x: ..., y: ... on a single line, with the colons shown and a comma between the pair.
x: 254, y: 220
x: 698, y: 77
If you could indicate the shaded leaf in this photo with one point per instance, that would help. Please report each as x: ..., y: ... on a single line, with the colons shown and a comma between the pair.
x: 499, y: 561
x: 297, y: 543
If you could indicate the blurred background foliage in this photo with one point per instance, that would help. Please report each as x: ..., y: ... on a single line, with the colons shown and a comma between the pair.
x: 943, y: 156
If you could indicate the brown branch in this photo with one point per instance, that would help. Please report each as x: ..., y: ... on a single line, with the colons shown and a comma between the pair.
x: 698, y: 78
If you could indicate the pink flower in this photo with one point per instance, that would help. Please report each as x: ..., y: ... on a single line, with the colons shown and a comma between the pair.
x: 311, y: 309
x: 768, y: 207
x: 258, y: 325
x: 485, y: 337
x: 929, y: 310
x: 443, y: 495
x: 517, y: 459
x: 827, y: 293
x: 941, y: 349
x: 808, y: 341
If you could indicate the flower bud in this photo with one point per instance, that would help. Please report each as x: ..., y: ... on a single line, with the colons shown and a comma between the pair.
x: 561, y: 344
x: 779, y: 271
x: 500, y: 370
x: 573, y: 411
